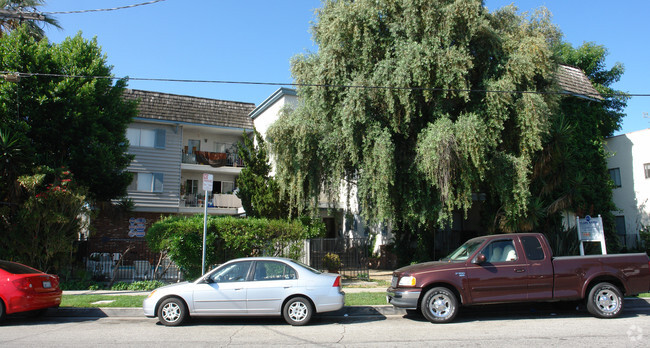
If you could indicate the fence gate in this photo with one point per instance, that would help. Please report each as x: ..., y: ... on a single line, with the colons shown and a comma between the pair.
x: 352, y: 251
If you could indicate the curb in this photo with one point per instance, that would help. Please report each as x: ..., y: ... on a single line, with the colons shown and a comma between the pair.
x: 347, y: 311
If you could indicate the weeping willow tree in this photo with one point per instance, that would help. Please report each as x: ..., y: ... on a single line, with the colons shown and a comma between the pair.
x: 418, y: 104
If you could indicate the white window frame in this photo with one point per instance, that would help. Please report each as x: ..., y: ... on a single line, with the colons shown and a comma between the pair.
x: 147, y: 182
x: 146, y: 137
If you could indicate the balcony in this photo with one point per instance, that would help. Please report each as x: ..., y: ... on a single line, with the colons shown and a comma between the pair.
x: 219, y: 200
x: 213, y: 159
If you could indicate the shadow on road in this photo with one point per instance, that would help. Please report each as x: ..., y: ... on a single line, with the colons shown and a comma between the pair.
x: 633, y: 307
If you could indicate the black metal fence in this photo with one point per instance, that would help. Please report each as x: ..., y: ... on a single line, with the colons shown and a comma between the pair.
x: 130, y: 259
x: 126, y: 260
x: 353, y: 253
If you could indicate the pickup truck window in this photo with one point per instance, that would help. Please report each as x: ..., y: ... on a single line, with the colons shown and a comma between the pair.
x: 533, y: 248
x: 500, y: 251
x: 465, y: 250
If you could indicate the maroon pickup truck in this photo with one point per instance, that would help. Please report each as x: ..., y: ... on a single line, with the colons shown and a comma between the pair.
x: 517, y: 268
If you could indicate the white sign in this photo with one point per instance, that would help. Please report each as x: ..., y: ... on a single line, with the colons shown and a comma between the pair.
x: 591, y: 230
x: 207, y: 182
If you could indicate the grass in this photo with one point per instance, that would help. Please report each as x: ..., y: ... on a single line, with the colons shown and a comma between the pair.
x: 365, y: 299
x: 373, y: 283
x: 84, y: 301
x: 89, y: 300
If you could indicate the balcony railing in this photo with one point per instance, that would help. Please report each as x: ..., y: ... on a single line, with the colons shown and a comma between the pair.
x: 214, y: 159
x: 219, y: 200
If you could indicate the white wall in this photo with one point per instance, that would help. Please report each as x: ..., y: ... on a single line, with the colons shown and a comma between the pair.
x: 629, y: 153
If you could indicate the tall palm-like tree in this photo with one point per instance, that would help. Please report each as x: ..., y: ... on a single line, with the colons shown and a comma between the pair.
x: 28, y: 7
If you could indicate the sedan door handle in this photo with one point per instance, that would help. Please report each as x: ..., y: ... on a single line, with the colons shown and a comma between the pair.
x: 286, y: 287
x: 519, y: 270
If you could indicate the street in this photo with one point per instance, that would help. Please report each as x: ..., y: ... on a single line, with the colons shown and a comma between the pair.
x: 490, y: 326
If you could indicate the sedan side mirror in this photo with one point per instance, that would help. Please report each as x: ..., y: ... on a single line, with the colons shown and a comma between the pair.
x: 480, y: 258
x: 206, y: 280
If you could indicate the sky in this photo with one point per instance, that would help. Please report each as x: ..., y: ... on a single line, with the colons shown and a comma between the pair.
x: 254, y: 41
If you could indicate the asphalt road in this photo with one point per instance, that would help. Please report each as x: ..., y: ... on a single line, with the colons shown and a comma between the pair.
x: 489, y: 326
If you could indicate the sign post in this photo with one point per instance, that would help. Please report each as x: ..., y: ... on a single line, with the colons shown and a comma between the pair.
x: 207, y: 186
x: 591, y: 230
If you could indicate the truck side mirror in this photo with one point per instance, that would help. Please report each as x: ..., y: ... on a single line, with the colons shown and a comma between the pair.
x: 480, y: 258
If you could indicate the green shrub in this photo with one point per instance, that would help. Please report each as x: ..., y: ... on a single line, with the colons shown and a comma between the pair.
x: 228, y: 237
x: 120, y: 286
x: 332, y: 262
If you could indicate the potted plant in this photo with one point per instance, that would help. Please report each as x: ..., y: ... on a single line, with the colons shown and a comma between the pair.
x: 332, y: 262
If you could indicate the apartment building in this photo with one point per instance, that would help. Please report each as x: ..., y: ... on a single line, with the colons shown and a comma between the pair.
x: 175, y: 140
x: 629, y: 168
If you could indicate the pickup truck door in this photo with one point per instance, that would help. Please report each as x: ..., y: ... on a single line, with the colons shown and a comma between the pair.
x: 540, y: 269
x: 502, y: 277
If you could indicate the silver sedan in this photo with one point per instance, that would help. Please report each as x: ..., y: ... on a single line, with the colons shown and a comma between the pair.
x: 255, y: 286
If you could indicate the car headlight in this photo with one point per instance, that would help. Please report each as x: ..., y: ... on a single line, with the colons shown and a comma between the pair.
x: 151, y: 294
x: 407, y: 281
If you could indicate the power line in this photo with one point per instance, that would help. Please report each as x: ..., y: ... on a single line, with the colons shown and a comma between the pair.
x: 25, y: 75
x: 104, y: 9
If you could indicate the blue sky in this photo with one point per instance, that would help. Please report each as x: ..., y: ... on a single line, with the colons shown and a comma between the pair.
x: 254, y: 40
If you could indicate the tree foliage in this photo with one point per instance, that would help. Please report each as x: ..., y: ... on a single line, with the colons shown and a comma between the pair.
x: 227, y: 237
x: 419, y: 143
x: 258, y: 190
x: 25, y: 6
x: 48, y: 221
x: 591, y: 123
x: 78, y: 122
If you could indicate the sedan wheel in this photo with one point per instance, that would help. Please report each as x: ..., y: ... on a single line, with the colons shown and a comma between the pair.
x: 172, y: 312
x: 2, y: 310
x: 439, y: 305
x: 297, y: 311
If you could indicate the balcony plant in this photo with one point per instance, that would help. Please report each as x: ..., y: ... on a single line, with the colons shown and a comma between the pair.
x: 332, y: 262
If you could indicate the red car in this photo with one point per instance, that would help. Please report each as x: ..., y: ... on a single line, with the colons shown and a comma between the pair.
x: 24, y: 289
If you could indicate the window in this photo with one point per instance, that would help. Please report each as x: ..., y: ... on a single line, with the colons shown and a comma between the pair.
x: 646, y: 169
x: 147, y: 182
x: 500, y: 251
x: 143, y: 137
x: 271, y: 270
x: 193, y: 145
x: 615, y: 174
x: 224, y: 187
x: 227, y: 187
x: 620, y: 229
x: 224, y: 147
x: 191, y: 186
x: 235, y: 272
x: 533, y: 248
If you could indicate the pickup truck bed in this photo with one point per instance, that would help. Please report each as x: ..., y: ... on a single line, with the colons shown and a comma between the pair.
x: 517, y: 268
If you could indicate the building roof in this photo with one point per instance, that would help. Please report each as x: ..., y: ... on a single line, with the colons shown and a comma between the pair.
x: 192, y: 110
x: 268, y: 102
x: 574, y: 81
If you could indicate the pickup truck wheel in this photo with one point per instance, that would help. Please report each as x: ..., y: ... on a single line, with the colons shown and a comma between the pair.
x: 439, y: 305
x: 605, y: 301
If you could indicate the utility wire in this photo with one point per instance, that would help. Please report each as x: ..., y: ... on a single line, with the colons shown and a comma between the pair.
x: 24, y: 75
x: 103, y: 9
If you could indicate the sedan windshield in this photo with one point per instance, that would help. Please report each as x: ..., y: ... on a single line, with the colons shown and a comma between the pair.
x: 465, y: 250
